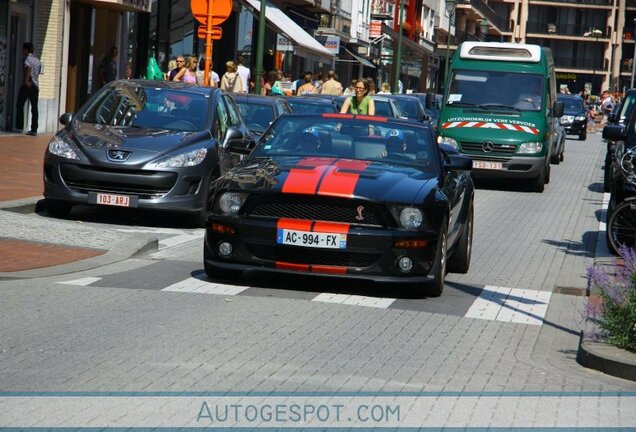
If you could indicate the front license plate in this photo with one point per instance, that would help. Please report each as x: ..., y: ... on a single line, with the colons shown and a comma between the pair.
x: 311, y: 239
x: 487, y: 165
x: 113, y: 200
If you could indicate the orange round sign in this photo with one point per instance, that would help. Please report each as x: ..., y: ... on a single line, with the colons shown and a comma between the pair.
x: 221, y: 10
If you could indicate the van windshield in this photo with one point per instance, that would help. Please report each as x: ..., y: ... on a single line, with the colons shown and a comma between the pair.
x: 496, y: 90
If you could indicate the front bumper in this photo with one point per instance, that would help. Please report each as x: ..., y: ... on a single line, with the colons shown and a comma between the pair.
x: 369, y: 254
x: 181, y: 189
x: 514, y: 167
x: 575, y: 128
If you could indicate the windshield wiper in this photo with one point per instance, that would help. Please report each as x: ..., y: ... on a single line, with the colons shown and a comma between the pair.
x: 497, y: 105
x: 467, y: 104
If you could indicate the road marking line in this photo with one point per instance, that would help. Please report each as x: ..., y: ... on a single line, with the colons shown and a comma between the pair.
x: 194, y: 285
x: 355, y: 300
x: 522, y: 306
x: 81, y: 282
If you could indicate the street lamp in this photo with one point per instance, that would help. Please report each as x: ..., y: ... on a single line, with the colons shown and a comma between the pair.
x: 450, y: 8
x: 483, y: 28
x: 594, y: 33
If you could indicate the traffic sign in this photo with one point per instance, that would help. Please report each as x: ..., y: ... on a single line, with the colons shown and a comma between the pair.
x: 216, y: 32
x: 221, y: 10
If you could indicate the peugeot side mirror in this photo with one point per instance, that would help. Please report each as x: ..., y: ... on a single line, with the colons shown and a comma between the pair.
x: 614, y: 132
x: 66, y: 118
x: 235, y: 142
x: 457, y: 162
x: 557, y: 109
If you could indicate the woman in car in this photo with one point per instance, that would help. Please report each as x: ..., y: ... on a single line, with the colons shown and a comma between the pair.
x: 361, y: 103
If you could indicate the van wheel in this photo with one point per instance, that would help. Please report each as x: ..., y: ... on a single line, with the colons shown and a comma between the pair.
x: 555, y: 160
x: 561, y: 157
x: 548, y: 171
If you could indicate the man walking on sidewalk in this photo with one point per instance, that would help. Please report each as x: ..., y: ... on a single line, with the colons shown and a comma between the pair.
x: 30, y: 89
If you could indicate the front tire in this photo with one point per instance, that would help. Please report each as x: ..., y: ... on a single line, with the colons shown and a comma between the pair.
x: 538, y: 183
x: 58, y: 209
x: 621, y: 227
x: 459, y: 262
x: 435, y: 287
x: 583, y: 135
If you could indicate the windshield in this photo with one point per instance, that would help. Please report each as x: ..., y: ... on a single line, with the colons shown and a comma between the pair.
x: 573, y: 105
x: 257, y: 117
x: 626, y: 108
x: 492, y: 89
x: 349, y: 138
x: 410, y: 108
x: 147, y: 107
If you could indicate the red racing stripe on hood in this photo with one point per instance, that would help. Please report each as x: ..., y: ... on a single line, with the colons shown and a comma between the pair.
x: 341, y: 178
x: 305, y: 180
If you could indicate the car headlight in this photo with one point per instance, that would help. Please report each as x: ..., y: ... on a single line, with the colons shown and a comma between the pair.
x: 567, y: 119
x: 411, y: 218
x: 579, y: 118
x: 61, y: 148
x: 447, y: 140
x: 530, y: 147
x: 191, y: 158
x: 231, y: 202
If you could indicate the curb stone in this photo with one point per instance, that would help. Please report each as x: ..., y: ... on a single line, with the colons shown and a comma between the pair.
x: 129, y: 248
x: 607, y: 359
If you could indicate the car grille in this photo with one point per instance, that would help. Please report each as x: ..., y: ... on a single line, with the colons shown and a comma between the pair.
x: 297, y: 255
x: 476, y: 147
x: 312, y: 207
x: 145, y: 184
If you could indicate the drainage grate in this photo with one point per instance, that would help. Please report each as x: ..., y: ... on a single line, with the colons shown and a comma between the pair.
x: 581, y: 292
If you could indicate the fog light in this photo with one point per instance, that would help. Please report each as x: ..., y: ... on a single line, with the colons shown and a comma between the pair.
x: 405, y: 264
x: 225, y: 249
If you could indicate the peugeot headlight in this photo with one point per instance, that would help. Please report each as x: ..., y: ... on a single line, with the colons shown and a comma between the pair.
x: 579, y: 118
x: 411, y: 218
x: 231, y: 202
x: 530, y: 147
x: 61, y: 148
x: 447, y: 140
x: 191, y: 158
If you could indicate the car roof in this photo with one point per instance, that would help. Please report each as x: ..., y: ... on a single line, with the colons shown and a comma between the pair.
x: 312, y: 101
x: 253, y: 98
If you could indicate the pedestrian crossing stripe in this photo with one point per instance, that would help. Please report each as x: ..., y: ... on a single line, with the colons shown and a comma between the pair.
x: 510, y: 305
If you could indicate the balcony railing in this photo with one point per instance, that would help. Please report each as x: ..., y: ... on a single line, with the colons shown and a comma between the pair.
x: 482, y: 7
x: 578, y: 63
x: 542, y: 27
x: 585, y: 2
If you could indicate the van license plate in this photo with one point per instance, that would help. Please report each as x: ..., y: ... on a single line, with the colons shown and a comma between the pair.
x: 487, y: 165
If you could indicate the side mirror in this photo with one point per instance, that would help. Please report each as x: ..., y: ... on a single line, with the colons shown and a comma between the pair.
x: 66, y: 118
x: 235, y: 142
x: 613, y: 116
x: 614, y: 132
x: 557, y: 109
x: 457, y: 162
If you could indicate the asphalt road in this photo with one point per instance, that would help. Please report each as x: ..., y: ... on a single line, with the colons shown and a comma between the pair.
x: 157, y: 324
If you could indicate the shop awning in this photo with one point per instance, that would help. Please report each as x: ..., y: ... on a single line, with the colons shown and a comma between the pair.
x: 408, y: 43
x: 361, y: 60
x: 304, y: 44
x: 124, y: 5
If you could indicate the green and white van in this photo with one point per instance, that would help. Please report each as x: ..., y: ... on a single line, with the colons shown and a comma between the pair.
x: 500, y: 109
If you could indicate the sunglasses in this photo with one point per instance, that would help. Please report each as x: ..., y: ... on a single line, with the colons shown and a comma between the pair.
x: 359, y: 88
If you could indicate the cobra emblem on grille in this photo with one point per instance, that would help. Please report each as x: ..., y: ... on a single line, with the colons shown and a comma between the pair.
x: 118, y: 155
x: 359, y: 216
x: 488, y: 146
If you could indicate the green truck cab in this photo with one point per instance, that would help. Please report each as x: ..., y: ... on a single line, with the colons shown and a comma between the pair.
x: 500, y: 109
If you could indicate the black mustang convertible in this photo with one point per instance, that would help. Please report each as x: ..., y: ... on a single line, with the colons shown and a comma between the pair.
x: 344, y: 195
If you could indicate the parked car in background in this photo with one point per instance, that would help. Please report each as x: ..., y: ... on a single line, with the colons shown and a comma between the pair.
x: 260, y: 111
x: 314, y: 105
x: 345, y: 195
x: 615, y: 181
x: 432, y: 103
x: 574, y: 118
x: 148, y: 144
x: 387, y: 107
x: 411, y: 107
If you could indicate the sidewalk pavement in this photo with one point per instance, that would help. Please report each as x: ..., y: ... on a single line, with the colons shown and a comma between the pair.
x: 34, y: 246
